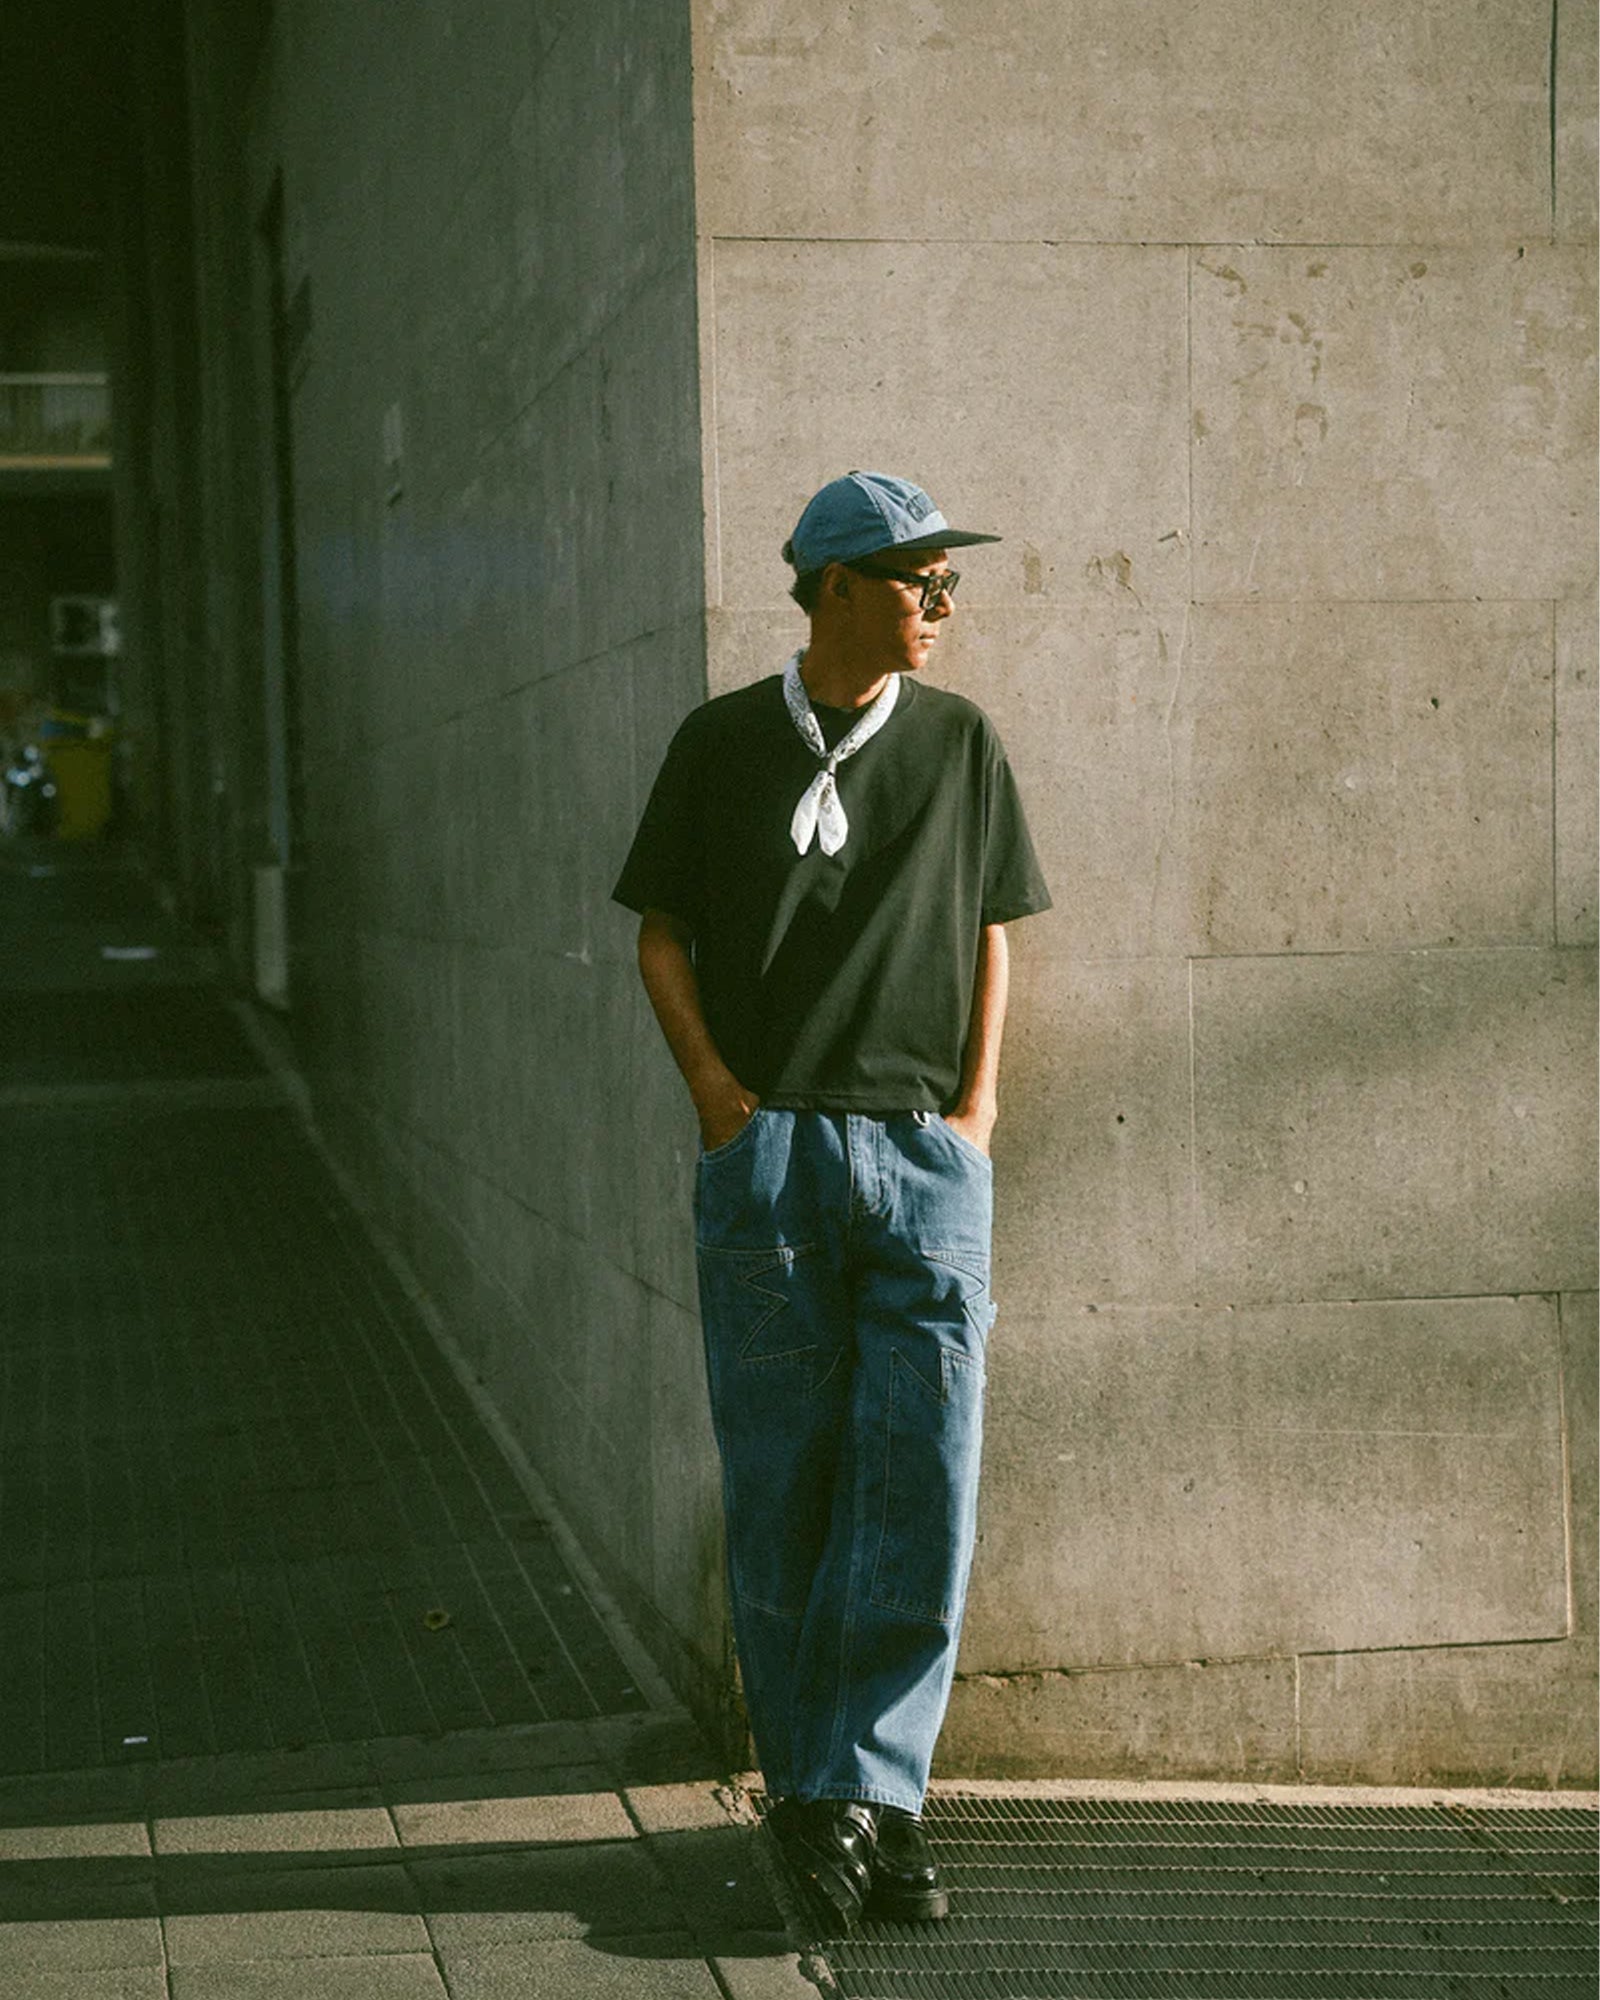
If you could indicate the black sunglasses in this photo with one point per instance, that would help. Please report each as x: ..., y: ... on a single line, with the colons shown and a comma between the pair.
x: 928, y: 586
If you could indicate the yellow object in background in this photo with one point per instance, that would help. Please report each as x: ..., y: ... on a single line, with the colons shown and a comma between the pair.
x: 78, y: 751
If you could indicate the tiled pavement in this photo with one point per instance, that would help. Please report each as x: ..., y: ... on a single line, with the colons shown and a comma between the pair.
x: 299, y: 1699
x: 532, y: 1860
x: 298, y: 1696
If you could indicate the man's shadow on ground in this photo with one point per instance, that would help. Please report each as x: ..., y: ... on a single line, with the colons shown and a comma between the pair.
x: 698, y: 1893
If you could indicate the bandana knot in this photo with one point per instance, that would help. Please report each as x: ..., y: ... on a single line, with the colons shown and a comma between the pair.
x: 821, y: 813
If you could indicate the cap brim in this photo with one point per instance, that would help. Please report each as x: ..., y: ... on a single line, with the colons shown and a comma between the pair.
x: 941, y: 538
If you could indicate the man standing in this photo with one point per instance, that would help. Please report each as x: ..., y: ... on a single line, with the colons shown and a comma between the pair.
x: 823, y: 872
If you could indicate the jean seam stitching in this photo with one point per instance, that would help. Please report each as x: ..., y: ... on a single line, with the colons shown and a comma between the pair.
x: 955, y: 1259
x: 776, y: 1254
x: 847, y: 1622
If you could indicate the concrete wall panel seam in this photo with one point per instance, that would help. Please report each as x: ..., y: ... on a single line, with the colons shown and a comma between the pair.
x: 1398, y: 245
x: 710, y: 428
x: 1566, y: 1454
x: 1555, y: 657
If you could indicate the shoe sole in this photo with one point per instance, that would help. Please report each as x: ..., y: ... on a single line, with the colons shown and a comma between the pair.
x: 832, y: 1905
x: 909, y: 1906
x: 827, y: 1898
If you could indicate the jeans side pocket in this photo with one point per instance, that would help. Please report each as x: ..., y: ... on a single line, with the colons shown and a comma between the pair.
x: 933, y: 1441
x: 770, y: 1319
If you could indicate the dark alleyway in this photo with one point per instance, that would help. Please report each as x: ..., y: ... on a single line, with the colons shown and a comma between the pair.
x: 241, y: 1487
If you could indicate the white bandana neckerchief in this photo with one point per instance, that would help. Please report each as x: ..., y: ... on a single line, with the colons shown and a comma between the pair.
x: 821, y: 810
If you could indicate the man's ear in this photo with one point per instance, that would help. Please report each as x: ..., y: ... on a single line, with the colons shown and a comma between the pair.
x: 841, y: 585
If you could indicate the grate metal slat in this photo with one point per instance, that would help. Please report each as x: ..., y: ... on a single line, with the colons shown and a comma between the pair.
x: 901, y: 1985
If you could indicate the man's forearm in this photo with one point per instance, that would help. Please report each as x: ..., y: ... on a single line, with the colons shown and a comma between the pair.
x: 980, y: 1061
x: 667, y: 969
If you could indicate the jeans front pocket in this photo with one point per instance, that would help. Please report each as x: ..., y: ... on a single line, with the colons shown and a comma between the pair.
x: 937, y: 1122
x: 744, y: 1194
x: 710, y: 1155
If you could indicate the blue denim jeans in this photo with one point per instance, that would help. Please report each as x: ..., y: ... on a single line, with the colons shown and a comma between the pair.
x: 844, y: 1289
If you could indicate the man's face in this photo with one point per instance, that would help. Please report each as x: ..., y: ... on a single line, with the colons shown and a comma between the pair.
x: 887, y: 614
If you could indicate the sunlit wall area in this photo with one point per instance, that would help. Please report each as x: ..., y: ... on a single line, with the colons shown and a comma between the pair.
x: 1265, y: 336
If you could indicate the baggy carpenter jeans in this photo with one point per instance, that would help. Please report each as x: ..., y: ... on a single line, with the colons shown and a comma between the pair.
x: 844, y: 1288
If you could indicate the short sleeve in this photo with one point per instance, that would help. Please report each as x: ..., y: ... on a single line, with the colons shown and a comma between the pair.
x: 1013, y: 883
x: 663, y: 871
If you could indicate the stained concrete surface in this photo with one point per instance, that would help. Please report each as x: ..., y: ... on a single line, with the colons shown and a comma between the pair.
x: 1413, y: 1125
x: 1070, y: 120
x: 1577, y: 806
x: 1286, y: 1481
x: 1347, y: 401
x: 1266, y: 339
x: 1362, y: 777
x: 1036, y: 342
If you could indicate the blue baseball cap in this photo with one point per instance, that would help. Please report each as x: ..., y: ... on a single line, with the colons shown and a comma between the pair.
x: 865, y: 513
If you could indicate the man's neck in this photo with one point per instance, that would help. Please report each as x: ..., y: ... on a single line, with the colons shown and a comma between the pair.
x: 838, y: 680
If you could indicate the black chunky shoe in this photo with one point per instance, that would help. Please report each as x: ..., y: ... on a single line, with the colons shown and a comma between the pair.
x: 905, y: 1876
x: 827, y: 1845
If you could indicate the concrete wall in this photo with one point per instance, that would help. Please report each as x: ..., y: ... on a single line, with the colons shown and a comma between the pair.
x: 1264, y: 334
x: 488, y: 244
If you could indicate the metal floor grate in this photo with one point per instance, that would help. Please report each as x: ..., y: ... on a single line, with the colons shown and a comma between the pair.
x: 238, y: 1473
x: 239, y: 1483
x: 1187, y: 1899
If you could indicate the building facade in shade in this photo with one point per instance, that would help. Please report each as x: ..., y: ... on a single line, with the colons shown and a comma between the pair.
x: 477, y: 359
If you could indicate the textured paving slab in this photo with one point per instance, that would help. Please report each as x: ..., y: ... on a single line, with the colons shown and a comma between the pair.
x: 57, y: 1944
x: 481, y: 1902
x: 561, y: 1820
x: 618, y: 1969
x: 127, y: 1982
x: 411, y: 1977
x: 291, y: 1929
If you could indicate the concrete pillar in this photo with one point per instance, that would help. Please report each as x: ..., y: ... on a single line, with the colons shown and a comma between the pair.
x: 1265, y: 337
